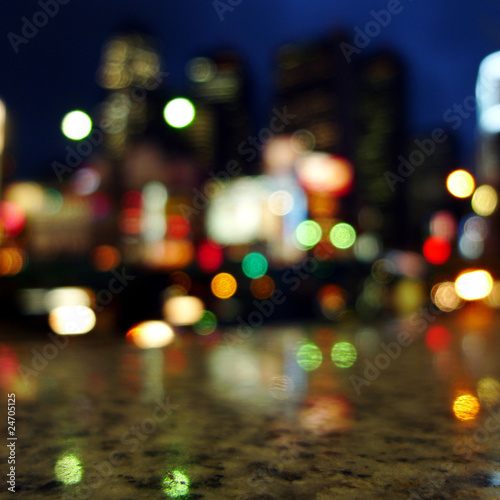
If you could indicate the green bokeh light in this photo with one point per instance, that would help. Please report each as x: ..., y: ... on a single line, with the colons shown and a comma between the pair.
x: 254, y: 265
x: 309, y: 356
x: 179, y: 112
x: 344, y: 354
x: 206, y: 324
x: 308, y: 233
x: 76, y: 125
x: 342, y: 235
x: 69, y: 469
x: 176, y: 484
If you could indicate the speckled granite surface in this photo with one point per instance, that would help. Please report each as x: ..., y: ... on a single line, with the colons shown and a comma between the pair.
x: 241, y: 420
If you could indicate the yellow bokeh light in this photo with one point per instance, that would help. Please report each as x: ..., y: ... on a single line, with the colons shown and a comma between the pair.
x: 445, y: 297
x: 474, y: 285
x: 488, y: 390
x: 151, y: 334
x: 484, y: 200
x: 76, y: 125
x: 280, y: 202
x: 183, y: 310
x: 466, y: 407
x: 72, y: 320
x: 223, y: 285
x: 460, y: 183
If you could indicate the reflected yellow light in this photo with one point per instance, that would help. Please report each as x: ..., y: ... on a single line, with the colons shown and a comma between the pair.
x: 72, y: 320
x: 183, y: 310
x: 76, y: 125
x: 344, y: 354
x: 176, y: 484
x: 460, y: 183
x: 474, y: 285
x: 151, y: 334
x: 69, y: 469
x: 223, y: 285
x: 445, y: 296
x: 466, y: 407
x: 484, y: 200
x: 488, y: 390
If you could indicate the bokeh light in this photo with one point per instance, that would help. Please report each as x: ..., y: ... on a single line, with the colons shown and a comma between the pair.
x: 12, y: 218
x: 383, y: 271
x: 308, y: 233
x: 309, y: 356
x: 12, y: 261
x: 206, y: 324
x: 466, y: 407
x: 210, y: 256
x: 223, y: 285
x: 183, y: 310
x: 488, y: 391
x: 72, y: 320
x: 474, y: 285
x: 460, y: 183
x: 470, y: 249
x: 151, y: 334
x: 344, y: 354
x: 443, y: 224
x: 179, y: 112
x: 254, y: 265
x: 76, y: 125
x: 475, y: 227
x: 176, y: 484
x: 445, y: 296
x: 484, y: 200
x: 69, y: 469
x: 342, y: 235
x: 438, y: 338
x: 263, y: 287
x: 105, y: 257
x: 436, y: 250
x: 280, y: 202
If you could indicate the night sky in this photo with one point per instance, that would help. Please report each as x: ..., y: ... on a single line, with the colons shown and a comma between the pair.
x: 441, y: 42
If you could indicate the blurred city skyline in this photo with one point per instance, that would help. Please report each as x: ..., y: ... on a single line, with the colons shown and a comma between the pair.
x: 54, y: 71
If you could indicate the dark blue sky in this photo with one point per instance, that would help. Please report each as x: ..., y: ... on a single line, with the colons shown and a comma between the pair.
x: 441, y: 42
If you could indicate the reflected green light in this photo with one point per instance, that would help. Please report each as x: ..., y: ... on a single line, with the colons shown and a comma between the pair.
x: 254, y: 265
x: 309, y: 357
x: 179, y: 113
x: 342, y: 235
x: 176, y: 484
x: 206, y: 324
x: 76, y: 125
x: 69, y: 469
x: 308, y: 233
x: 344, y: 354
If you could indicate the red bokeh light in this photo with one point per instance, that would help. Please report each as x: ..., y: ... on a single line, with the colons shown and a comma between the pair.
x: 436, y: 250
x: 210, y: 256
x: 438, y: 338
